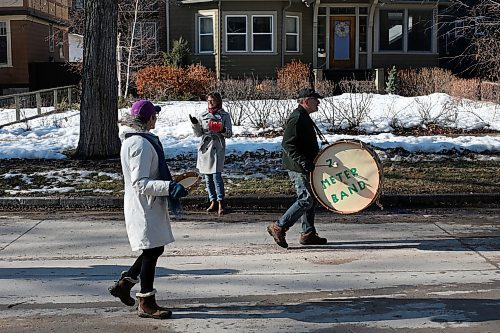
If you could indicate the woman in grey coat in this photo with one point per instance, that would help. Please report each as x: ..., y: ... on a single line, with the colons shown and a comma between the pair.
x: 213, y: 126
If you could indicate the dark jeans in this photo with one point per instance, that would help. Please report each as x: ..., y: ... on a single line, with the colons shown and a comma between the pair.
x: 145, y: 266
x: 303, y: 207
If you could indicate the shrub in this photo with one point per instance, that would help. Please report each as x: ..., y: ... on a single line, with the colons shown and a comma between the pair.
x: 391, y: 81
x: 465, y: 88
x: 292, y: 77
x: 167, y: 82
x: 179, y: 56
x: 424, y: 81
x: 199, y: 81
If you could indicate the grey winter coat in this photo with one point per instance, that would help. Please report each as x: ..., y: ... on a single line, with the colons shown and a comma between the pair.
x: 212, y: 147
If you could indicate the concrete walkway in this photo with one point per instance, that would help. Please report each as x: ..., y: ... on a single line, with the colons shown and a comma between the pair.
x: 382, y: 271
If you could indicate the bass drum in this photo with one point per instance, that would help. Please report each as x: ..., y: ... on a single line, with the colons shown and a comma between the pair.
x: 347, y: 177
x: 189, y: 180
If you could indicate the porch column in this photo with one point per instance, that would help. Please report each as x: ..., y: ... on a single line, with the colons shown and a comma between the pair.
x: 315, y: 33
x: 370, y: 32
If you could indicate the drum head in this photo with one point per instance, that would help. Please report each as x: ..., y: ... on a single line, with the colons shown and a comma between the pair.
x: 188, y: 179
x: 347, y: 177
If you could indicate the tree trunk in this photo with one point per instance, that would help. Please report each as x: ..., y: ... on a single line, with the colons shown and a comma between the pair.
x: 99, y: 101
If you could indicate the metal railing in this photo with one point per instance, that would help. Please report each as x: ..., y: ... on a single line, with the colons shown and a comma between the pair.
x: 44, y: 101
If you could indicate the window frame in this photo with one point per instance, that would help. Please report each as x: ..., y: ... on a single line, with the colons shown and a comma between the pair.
x: 405, y: 50
x: 262, y: 34
x: 8, y: 44
x: 249, y: 41
x: 139, y: 39
x: 226, y: 34
x: 199, y: 34
x: 297, y: 34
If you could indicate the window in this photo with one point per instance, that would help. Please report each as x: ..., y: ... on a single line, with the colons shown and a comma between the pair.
x: 459, y: 29
x: 362, y: 33
x: 419, y: 30
x: 406, y: 30
x: 262, y: 33
x: 4, y: 59
x: 206, y: 34
x: 145, y: 38
x: 292, y: 33
x: 252, y: 32
x: 391, y: 30
x: 236, y: 33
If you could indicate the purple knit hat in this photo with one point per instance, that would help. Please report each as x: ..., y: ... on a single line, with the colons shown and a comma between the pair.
x: 144, y: 109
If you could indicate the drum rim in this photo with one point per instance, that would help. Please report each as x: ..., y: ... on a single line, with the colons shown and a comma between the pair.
x: 371, y: 151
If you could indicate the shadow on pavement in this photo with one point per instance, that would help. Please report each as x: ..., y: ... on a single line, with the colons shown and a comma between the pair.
x: 483, y: 243
x: 358, y: 310
x: 98, y: 272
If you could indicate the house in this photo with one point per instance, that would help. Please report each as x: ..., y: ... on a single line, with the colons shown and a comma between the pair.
x: 238, y: 37
x: 31, y: 31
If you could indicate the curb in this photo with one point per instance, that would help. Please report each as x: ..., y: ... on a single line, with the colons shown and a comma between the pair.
x: 254, y: 203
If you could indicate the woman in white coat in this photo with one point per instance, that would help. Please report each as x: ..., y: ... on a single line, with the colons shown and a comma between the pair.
x: 214, y: 126
x: 148, y: 185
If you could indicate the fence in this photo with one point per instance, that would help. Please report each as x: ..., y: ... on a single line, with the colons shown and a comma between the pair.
x: 34, y: 104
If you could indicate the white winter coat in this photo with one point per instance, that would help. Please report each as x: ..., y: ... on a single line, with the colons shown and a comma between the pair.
x: 145, y: 204
x: 212, y: 148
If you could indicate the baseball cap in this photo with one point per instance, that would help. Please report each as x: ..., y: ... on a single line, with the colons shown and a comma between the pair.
x: 308, y: 92
x: 144, y: 109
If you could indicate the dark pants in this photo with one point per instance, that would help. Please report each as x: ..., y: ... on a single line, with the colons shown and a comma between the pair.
x: 145, y: 266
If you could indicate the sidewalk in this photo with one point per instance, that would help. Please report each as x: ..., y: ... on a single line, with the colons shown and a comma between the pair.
x: 381, y: 271
x: 252, y: 203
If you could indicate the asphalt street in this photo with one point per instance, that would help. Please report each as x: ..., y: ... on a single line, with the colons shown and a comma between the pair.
x: 395, y: 270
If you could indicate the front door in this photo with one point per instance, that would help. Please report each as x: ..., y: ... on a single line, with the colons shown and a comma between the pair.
x: 342, y: 41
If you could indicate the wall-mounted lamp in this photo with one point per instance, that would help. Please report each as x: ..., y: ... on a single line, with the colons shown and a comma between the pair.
x: 306, y: 3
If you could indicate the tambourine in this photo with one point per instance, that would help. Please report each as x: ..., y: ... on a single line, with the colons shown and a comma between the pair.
x: 347, y: 177
x: 189, y: 179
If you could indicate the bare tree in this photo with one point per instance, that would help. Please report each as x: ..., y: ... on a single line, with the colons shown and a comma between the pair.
x: 99, y: 100
x: 480, y: 25
x: 138, y: 39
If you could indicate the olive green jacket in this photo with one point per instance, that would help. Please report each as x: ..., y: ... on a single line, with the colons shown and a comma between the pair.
x: 299, y: 140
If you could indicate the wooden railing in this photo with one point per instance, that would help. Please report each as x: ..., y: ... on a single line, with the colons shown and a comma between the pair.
x: 45, y: 101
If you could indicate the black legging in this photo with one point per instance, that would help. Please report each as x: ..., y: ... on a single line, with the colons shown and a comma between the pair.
x: 145, y: 266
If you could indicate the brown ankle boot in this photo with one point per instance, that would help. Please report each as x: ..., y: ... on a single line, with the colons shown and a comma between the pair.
x: 213, y: 207
x: 121, y: 289
x: 148, y: 308
x: 221, y: 207
x: 312, y: 238
x: 278, y: 233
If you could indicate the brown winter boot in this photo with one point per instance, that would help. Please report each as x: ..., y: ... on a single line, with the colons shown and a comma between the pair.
x: 222, y: 205
x: 312, y: 238
x: 148, y: 308
x: 121, y: 289
x: 213, y: 207
x: 278, y: 234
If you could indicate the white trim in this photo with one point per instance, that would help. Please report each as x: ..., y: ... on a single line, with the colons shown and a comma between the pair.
x: 236, y: 34
x: 8, y: 36
x: 199, y: 16
x: 249, y: 32
x: 262, y: 34
x: 297, y: 35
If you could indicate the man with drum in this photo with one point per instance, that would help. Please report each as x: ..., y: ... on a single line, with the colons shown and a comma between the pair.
x: 300, y: 147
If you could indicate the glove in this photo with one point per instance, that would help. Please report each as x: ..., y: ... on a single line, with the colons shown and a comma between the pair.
x: 308, y: 166
x: 194, y: 121
x: 176, y: 190
x: 215, y: 126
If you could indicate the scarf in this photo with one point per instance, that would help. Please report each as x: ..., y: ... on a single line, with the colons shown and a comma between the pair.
x: 214, y: 109
x: 174, y: 204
